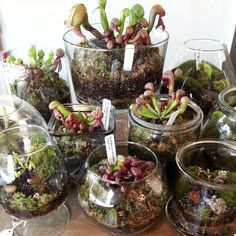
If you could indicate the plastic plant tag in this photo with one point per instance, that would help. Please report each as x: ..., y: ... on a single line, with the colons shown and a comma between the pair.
x: 111, y: 149
x: 106, y: 107
x: 198, y: 60
x: 129, y: 57
x: 172, y: 118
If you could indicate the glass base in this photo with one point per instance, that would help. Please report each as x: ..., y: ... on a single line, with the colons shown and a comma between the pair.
x: 49, y: 224
x: 178, y: 221
x: 173, y: 219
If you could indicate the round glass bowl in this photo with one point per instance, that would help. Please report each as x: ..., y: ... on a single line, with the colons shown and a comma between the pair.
x: 34, y: 82
x: 15, y: 111
x: 122, y: 207
x: 206, y: 70
x: 165, y: 140
x: 204, y: 199
x: 99, y: 73
x: 33, y: 179
x: 221, y: 122
x: 76, y: 147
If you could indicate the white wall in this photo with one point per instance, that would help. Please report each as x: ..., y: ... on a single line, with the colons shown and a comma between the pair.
x: 29, y: 21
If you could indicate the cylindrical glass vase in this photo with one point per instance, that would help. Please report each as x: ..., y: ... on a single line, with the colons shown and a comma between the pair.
x: 117, y: 74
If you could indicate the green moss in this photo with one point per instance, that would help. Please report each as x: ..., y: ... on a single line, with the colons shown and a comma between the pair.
x: 22, y: 202
x: 182, y: 187
x: 46, y: 162
x: 229, y: 196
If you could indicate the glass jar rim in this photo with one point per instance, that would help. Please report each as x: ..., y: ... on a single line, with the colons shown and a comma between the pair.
x: 36, y: 127
x: 120, y: 143
x: 87, y: 106
x: 216, y: 45
x: 224, y: 106
x: 171, y: 128
x: 167, y: 36
x: 199, y: 143
x: 10, y: 98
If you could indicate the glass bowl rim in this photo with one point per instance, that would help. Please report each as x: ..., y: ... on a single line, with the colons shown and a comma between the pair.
x: 28, y: 126
x: 114, y: 49
x: 199, y: 143
x: 221, y: 45
x: 192, y: 124
x: 15, y: 98
x: 121, y: 143
x: 59, y: 134
x: 222, y: 101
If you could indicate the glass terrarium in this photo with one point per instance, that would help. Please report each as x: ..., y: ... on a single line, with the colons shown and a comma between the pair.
x: 221, y: 122
x: 15, y: 111
x: 36, y: 74
x: 203, y: 68
x: 115, y: 61
x: 204, y: 199
x: 127, y: 197
x: 33, y: 179
x: 76, y: 146
x: 165, y: 139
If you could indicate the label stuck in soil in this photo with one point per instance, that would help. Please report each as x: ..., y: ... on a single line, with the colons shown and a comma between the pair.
x: 198, y: 60
x: 129, y: 57
x: 106, y: 107
x: 111, y: 149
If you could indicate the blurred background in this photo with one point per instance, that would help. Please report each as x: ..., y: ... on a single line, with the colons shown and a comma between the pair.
x: 28, y: 22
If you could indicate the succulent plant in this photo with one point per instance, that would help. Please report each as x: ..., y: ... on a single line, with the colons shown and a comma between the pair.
x: 136, y: 32
x: 148, y: 107
x: 77, y: 122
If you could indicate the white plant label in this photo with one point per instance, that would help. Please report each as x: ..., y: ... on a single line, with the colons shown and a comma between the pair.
x: 198, y: 60
x: 111, y: 149
x: 106, y: 107
x: 129, y: 57
x: 172, y: 118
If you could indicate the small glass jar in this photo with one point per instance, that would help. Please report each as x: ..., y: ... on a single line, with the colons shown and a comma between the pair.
x: 204, y: 199
x: 123, y: 207
x: 165, y: 140
x: 98, y: 72
x: 206, y: 70
x: 34, y: 82
x: 221, y: 122
x: 15, y: 111
x: 76, y: 147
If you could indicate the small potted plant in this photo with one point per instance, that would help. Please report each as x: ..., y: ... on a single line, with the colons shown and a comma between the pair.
x: 77, y: 129
x: 125, y: 197
x: 203, y: 69
x: 204, y: 199
x: 36, y: 77
x: 164, y: 122
x: 102, y: 63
